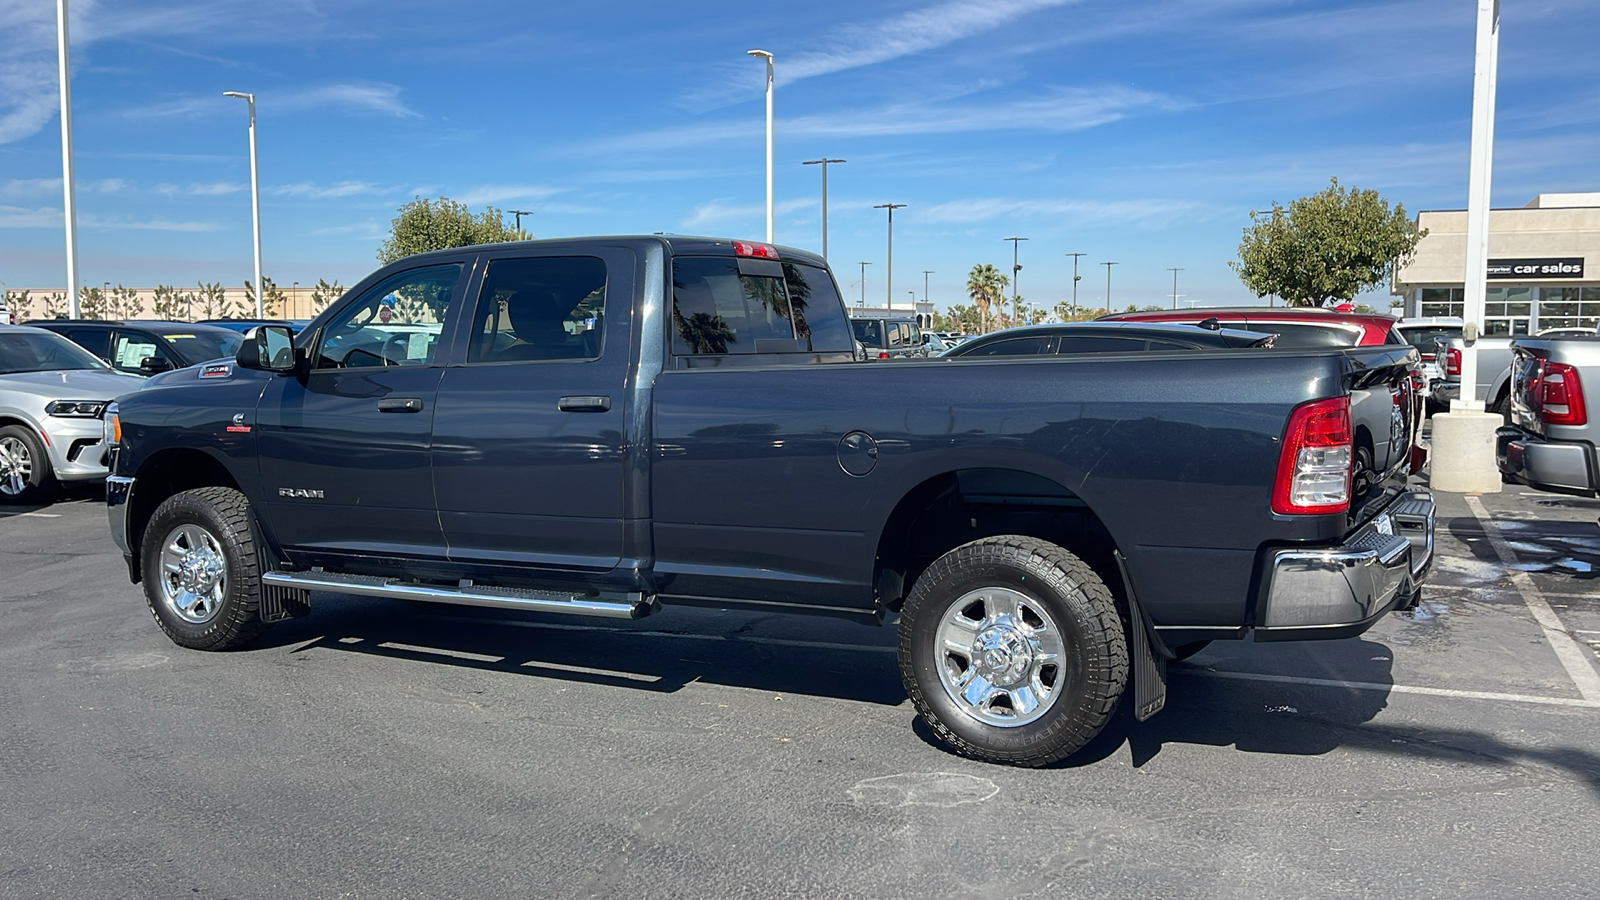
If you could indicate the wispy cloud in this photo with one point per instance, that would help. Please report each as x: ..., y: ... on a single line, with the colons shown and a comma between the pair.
x: 48, y: 217
x: 718, y: 211
x: 856, y: 45
x: 1057, y: 110
x: 28, y: 82
x: 37, y: 187
x: 211, y: 189
x: 1120, y: 212
x: 327, y: 191
x: 375, y: 97
x: 502, y: 193
x: 23, y: 217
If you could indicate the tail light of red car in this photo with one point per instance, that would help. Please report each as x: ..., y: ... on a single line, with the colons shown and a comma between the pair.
x: 1314, y: 463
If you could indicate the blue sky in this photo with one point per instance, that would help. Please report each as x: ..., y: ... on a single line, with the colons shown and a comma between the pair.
x: 1136, y: 131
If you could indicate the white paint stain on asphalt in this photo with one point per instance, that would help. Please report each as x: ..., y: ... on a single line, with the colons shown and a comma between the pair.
x: 922, y: 789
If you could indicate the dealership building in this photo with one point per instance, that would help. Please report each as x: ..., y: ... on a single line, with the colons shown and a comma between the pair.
x: 1544, y: 266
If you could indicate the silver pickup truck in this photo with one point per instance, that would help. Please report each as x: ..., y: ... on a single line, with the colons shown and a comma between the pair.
x: 1550, y: 443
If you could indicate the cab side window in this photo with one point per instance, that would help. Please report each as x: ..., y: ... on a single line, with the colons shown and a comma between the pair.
x: 395, y: 323
x: 129, y: 350
x: 538, y: 308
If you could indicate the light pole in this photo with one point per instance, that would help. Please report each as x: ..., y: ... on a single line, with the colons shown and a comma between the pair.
x: 519, y: 213
x: 1016, y: 272
x: 255, y: 197
x: 864, y: 265
x: 888, y: 266
x: 1108, y: 266
x: 768, y: 57
x: 1175, y: 272
x: 68, y: 188
x: 925, y: 274
x: 1075, y: 279
x: 824, y: 164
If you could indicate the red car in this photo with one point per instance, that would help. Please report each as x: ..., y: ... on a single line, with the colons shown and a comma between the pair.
x: 1305, y: 328
x: 1297, y: 328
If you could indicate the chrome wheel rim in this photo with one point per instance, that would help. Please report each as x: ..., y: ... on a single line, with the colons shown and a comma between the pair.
x: 194, y: 574
x: 1000, y: 657
x: 16, y: 466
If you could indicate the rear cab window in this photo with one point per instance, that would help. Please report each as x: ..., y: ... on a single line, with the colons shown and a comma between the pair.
x: 727, y: 306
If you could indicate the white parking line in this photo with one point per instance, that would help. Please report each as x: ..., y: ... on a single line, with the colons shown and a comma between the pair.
x: 1392, y: 688
x: 1566, y: 649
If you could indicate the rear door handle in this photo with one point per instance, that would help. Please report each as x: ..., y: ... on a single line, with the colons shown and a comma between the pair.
x: 584, y: 404
x: 400, y: 405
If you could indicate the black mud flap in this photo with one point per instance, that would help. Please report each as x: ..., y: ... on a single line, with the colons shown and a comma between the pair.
x: 280, y: 603
x: 1149, y: 654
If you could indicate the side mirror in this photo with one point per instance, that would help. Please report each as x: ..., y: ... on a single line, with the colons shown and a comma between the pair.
x: 269, y: 348
x: 155, y: 365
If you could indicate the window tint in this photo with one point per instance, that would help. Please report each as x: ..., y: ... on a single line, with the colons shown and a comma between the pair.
x: 550, y: 307
x: 92, y: 340
x: 1073, y: 344
x: 819, y: 313
x: 1021, y: 346
x: 1305, y: 336
x: 396, y: 323
x: 869, y: 332
x: 128, y: 350
x: 1154, y: 344
x: 199, y: 346
x: 1423, y: 337
x: 723, y: 305
x: 24, y: 351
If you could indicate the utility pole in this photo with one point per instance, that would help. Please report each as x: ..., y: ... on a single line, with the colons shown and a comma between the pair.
x: 519, y: 213
x: 762, y: 54
x: 888, y: 267
x: 1175, y: 272
x: 1108, y: 266
x: 68, y: 187
x: 864, y: 265
x: 1016, y: 271
x: 925, y: 274
x: 1075, y: 279
x: 824, y: 164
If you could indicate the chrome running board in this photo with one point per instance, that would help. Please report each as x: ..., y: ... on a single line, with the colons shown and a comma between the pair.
x: 619, y: 606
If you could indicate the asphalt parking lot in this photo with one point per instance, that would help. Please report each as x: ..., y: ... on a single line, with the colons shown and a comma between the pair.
x: 384, y: 749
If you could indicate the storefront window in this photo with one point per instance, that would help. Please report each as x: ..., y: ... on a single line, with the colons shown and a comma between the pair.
x: 1569, y: 307
x: 1508, y: 310
x: 1440, y: 302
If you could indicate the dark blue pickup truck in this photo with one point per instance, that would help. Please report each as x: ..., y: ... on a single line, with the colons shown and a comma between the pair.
x: 603, y: 426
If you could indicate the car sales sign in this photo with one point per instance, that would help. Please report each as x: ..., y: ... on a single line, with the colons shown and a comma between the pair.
x: 1564, y: 267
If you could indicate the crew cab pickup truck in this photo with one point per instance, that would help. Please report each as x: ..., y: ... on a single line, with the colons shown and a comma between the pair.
x: 606, y: 426
x: 1550, y: 442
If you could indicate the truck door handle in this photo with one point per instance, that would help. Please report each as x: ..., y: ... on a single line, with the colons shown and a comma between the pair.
x: 584, y: 404
x: 400, y: 405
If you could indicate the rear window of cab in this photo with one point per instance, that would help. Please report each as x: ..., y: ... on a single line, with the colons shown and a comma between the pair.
x: 728, y: 305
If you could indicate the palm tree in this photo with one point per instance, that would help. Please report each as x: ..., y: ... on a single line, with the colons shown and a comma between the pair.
x: 986, y: 286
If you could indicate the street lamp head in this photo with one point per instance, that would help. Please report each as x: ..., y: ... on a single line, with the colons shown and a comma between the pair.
x: 816, y: 162
x: 761, y: 53
x: 240, y: 95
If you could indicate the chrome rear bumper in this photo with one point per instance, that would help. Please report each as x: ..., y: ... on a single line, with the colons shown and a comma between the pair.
x: 1338, y: 591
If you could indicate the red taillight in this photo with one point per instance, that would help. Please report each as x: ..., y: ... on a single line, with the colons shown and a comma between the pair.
x: 1314, y: 464
x: 759, y: 251
x: 883, y: 354
x: 1452, y: 361
x: 1561, y: 395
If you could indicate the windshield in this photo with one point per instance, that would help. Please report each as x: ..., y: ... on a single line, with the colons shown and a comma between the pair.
x: 41, y: 351
x: 199, y: 346
x: 1423, y: 338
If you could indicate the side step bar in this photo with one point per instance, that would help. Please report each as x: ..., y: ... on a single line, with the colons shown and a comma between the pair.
x: 621, y: 606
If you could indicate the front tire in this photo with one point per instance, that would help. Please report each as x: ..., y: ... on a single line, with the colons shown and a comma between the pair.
x: 202, y: 570
x: 1012, y: 651
x: 25, y: 472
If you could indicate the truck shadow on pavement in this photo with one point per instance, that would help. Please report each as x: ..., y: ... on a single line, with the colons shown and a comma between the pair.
x: 659, y: 654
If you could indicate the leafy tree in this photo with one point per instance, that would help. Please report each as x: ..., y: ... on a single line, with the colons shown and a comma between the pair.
x: 55, y: 306
x: 1328, y: 246
x: 962, y: 318
x: 213, y: 303
x: 987, y: 289
x: 325, y: 293
x: 124, y: 303
x: 424, y: 225
x: 19, y: 304
x: 92, y: 303
x: 168, y: 303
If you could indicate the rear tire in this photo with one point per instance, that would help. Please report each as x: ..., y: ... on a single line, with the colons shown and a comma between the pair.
x: 1012, y: 651
x: 25, y: 472
x: 202, y: 572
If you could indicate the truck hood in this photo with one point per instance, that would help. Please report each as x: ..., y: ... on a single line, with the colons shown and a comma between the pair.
x: 72, y: 384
